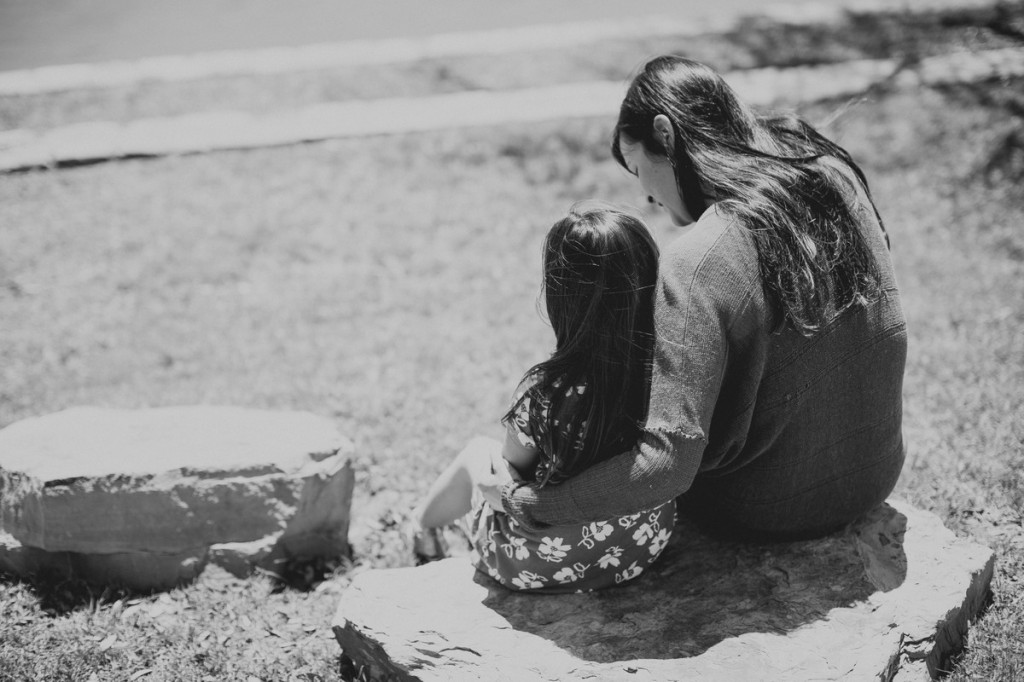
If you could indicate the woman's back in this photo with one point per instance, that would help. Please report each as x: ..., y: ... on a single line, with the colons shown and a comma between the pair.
x: 790, y: 404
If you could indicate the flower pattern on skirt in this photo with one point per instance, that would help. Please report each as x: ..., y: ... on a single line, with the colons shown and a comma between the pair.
x: 576, y: 558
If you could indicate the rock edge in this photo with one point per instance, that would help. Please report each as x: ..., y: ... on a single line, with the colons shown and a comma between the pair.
x: 443, y: 621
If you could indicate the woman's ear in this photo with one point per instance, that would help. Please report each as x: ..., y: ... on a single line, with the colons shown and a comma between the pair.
x: 664, y: 134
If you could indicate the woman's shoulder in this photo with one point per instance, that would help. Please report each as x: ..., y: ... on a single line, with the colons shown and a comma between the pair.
x: 716, y: 253
x: 716, y: 234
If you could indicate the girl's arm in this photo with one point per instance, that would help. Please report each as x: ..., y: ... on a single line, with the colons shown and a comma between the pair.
x: 522, y: 457
x: 518, y: 462
x: 521, y: 432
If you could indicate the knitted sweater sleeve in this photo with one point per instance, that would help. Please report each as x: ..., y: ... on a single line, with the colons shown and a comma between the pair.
x: 696, y: 292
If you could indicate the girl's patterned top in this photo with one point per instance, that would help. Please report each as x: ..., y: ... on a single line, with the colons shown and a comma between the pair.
x: 574, y: 558
x: 529, y: 424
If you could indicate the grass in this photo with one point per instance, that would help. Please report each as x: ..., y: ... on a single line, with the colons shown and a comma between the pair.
x: 390, y: 283
x: 209, y: 631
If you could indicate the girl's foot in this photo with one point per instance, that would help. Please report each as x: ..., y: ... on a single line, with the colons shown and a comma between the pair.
x: 428, y: 544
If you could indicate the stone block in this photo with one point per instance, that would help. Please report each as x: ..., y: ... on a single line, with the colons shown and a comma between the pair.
x: 889, y: 597
x: 137, y: 570
x: 146, y: 497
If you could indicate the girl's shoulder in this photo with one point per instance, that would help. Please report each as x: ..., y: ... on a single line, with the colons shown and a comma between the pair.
x: 532, y: 400
x: 532, y: 403
x: 534, y: 389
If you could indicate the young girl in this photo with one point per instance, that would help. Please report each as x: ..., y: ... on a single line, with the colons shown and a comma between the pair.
x: 584, y: 404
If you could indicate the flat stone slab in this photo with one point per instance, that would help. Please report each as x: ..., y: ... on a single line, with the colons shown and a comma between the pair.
x: 145, y: 498
x: 888, y: 598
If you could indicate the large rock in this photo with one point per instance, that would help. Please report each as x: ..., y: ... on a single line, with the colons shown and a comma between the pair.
x: 146, y: 497
x: 889, y: 597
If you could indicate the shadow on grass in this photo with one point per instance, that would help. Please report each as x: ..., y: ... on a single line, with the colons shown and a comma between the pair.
x: 61, y: 592
x: 60, y: 595
x: 304, y: 575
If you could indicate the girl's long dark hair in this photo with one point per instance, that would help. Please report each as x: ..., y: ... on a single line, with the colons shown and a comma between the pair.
x: 600, y: 271
x: 768, y: 174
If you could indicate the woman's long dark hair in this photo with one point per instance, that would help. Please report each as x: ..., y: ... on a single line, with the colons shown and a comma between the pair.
x: 766, y: 173
x: 600, y: 272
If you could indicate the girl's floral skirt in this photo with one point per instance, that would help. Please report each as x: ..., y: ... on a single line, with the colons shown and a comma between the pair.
x: 576, y: 558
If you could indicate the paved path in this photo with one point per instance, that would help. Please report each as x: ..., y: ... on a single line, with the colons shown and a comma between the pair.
x: 213, y: 131
x: 108, y: 43
x: 219, y: 130
x: 355, y: 53
x: 36, y: 33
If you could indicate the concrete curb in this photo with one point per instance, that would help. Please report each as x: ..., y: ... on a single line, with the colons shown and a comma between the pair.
x: 356, y: 53
x: 196, y: 133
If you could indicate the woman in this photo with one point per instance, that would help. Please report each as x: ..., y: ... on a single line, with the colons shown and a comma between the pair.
x: 780, y: 339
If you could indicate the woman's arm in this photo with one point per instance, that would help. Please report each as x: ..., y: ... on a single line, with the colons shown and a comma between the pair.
x: 702, y: 286
x: 658, y: 469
